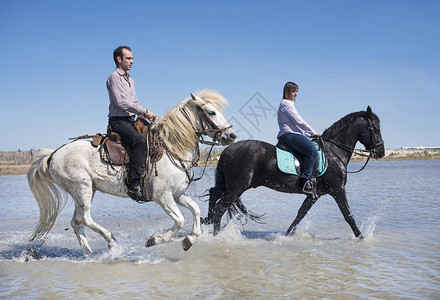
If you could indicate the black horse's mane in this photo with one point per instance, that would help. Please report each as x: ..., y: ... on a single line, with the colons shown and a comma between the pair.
x: 343, y: 123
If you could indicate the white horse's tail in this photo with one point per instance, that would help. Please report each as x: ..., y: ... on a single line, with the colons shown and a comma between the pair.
x: 49, y: 198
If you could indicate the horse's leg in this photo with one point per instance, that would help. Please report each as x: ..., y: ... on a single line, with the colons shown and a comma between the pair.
x: 341, y: 200
x: 106, y: 234
x: 77, y: 224
x: 187, y: 202
x: 214, y: 195
x: 78, y: 228
x: 220, y: 208
x: 83, y: 195
x: 303, y: 210
x: 169, y: 205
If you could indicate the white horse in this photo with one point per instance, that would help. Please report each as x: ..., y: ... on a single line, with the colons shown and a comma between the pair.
x: 77, y: 169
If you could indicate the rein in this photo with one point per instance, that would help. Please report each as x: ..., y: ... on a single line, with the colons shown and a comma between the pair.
x: 359, y: 152
x: 181, y: 165
x: 353, y: 151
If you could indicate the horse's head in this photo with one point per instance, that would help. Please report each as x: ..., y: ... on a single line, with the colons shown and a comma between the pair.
x: 210, y: 120
x: 370, y: 135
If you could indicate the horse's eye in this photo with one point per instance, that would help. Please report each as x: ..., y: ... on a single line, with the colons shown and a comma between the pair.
x: 211, y: 113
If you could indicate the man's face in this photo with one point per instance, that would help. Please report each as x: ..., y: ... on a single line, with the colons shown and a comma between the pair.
x: 126, y: 60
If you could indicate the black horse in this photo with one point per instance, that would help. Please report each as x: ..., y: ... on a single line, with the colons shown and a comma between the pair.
x: 249, y: 164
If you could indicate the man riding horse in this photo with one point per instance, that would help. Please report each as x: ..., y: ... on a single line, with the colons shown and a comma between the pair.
x: 123, y: 108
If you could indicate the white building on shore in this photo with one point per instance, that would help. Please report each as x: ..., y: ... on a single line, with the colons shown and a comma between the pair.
x: 421, y: 148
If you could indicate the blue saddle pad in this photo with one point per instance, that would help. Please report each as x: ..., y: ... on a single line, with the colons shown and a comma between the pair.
x: 288, y: 163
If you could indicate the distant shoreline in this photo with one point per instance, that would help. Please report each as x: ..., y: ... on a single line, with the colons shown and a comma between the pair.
x: 13, y: 169
x: 398, y: 158
x: 20, y: 169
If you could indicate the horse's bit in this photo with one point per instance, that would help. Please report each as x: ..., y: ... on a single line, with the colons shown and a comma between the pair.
x: 204, y: 118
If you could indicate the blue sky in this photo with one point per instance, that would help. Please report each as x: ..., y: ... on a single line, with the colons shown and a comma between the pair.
x: 344, y: 55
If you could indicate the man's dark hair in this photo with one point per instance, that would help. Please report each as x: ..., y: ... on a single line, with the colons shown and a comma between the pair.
x: 118, y: 52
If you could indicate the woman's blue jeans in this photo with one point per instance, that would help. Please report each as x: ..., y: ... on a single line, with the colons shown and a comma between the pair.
x: 304, y: 150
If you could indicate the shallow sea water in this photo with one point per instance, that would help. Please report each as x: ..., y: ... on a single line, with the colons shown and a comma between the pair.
x: 396, y: 205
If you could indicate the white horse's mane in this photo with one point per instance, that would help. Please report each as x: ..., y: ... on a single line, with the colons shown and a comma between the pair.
x: 177, y: 127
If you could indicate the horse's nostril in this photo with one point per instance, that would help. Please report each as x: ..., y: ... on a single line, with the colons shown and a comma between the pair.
x: 233, y: 136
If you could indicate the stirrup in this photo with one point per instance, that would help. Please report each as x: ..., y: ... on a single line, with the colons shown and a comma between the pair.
x: 308, y: 187
x: 137, y: 193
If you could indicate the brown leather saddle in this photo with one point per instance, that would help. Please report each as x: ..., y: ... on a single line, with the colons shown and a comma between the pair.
x: 113, y: 151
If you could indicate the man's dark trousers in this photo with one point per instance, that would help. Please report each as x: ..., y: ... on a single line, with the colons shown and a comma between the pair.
x: 135, y: 144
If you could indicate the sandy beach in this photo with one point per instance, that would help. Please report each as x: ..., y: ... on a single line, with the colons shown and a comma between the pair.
x: 13, y: 169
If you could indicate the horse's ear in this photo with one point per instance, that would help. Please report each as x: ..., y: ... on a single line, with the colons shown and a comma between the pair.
x: 193, y: 97
x: 369, y: 111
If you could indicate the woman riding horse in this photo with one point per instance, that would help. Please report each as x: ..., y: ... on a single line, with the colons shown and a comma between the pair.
x: 238, y: 171
x: 295, y: 133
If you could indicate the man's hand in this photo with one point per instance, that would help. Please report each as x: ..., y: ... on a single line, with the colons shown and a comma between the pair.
x: 150, y: 116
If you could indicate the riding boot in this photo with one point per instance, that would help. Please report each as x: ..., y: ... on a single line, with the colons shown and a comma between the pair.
x: 134, y: 190
x: 134, y: 184
x: 136, y: 171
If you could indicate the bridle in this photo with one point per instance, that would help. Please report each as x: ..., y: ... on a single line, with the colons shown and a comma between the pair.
x: 205, y: 119
x: 208, y: 126
x: 371, y: 152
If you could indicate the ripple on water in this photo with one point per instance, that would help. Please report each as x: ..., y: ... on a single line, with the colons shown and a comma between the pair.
x: 398, y: 259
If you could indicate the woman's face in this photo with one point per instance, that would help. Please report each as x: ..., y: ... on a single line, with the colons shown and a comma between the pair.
x: 293, y: 95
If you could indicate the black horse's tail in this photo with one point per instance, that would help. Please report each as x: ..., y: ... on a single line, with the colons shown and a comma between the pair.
x: 240, y: 210
x: 237, y: 208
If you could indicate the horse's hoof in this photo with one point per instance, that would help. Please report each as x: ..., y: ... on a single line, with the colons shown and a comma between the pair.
x: 186, y: 244
x: 291, y: 231
x: 205, y: 221
x: 216, y: 230
x: 112, y: 245
x: 30, y: 254
x: 114, y: 239
x: 361, y: 236
x: 151, y: 241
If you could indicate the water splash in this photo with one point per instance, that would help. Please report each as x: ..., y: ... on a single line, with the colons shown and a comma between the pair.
x: 231, y: 232
x: 117, y: 252
x: 299, y: 236
x: 369, y: 225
